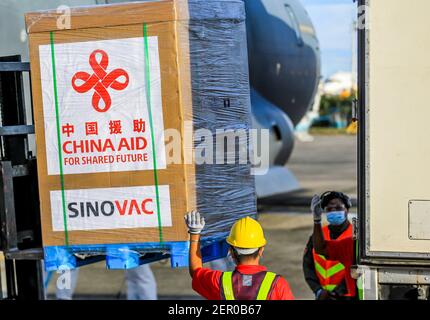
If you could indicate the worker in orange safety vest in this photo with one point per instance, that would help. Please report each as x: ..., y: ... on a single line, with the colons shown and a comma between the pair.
x: 328, y: 272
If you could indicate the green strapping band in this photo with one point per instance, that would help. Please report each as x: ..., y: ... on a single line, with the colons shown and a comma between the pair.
x: 151, y: 125
x: 60, y: 155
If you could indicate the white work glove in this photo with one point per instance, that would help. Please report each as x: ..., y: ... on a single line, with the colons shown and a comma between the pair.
x: 194, y: 222
x: 316, y: 208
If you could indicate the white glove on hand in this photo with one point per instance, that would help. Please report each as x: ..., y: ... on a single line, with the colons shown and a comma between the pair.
x: 316, y: 208
x: 194, y: 222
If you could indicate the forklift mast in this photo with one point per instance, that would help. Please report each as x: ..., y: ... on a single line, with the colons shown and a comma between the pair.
x: 20, y: 237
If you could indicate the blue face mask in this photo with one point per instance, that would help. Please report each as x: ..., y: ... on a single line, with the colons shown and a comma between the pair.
x: 336, y: 218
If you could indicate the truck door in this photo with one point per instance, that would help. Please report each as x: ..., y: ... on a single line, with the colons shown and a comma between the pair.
x: 394, y: 132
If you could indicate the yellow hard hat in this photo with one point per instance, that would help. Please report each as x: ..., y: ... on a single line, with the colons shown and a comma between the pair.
x: 246, y: 233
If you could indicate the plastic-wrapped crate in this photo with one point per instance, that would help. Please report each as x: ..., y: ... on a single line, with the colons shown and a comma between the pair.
x: 138, y: 107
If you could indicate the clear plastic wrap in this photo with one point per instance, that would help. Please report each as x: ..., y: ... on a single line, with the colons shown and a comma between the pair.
x: 221, y: 101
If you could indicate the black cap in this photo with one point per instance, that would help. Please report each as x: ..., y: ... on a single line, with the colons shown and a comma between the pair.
x: 326, y: 197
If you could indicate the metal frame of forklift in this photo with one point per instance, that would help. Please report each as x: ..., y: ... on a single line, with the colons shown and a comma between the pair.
x: 380, y: 271
x: 20, y: 238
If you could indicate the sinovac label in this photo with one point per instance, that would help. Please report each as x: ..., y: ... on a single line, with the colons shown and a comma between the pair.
x: 97, y: 98
x: 110, y: 208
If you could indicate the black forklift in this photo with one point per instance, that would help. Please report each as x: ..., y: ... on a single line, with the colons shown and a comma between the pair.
x: 21, y: 253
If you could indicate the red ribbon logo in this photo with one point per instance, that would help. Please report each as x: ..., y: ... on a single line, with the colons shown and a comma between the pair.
x: 100, y: 80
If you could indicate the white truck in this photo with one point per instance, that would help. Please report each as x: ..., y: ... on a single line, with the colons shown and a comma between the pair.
x: 393, y: 258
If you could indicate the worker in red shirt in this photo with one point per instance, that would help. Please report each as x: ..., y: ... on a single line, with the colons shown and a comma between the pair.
x: 341, y: 250
x: 249, y: 281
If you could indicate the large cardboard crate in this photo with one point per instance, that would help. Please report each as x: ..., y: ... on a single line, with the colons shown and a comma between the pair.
x: 105, y: 90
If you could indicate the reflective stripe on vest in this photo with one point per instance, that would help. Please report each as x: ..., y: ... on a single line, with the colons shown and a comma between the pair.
x: 329, y: 287
x: 227, y: 284
x: 266, y: 284
x: 330, y: 273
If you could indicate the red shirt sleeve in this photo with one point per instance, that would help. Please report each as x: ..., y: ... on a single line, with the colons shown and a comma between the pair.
x: 206, y: 283
x: 341, y: 250
x: 282, y: 291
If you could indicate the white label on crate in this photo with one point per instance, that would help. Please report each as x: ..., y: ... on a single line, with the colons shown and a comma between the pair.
x: 101, y: 114
x: 110, y: 208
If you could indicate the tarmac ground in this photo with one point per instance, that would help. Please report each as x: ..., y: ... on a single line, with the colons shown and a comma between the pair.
x: 328, y: 162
